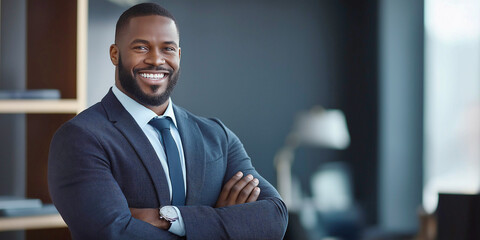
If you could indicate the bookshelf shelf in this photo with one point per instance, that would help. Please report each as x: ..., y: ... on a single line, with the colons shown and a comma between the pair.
x: 40, y: 106
x: 31, y: 222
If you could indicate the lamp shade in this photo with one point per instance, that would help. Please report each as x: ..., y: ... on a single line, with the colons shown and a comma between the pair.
x: 320, y: 127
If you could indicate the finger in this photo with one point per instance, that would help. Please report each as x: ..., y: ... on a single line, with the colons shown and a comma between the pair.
x: 237, y: 188
x: 246, y: 191
x: 228, y: 186
x: 254, y: 196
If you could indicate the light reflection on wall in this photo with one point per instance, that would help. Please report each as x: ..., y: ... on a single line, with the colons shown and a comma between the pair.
x: 452, y: 99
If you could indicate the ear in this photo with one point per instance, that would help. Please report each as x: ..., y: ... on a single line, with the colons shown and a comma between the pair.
x: 114, y: 54
x: 179, y: 53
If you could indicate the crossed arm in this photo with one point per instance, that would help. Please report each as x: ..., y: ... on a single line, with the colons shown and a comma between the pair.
x: 93, y: 205
x: 240, y: 212
x: 237, y: 190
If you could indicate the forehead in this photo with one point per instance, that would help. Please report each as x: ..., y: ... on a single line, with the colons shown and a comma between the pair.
x: 151, y: 28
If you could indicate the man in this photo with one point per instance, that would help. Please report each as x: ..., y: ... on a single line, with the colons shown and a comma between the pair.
x: 136, y: 166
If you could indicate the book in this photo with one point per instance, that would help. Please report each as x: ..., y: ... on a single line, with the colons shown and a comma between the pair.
x: 30, y: 94
x: 46, y: 209
x: 11, y: 202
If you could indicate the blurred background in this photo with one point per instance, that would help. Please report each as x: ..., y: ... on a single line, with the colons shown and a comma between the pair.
x: 401, y: 78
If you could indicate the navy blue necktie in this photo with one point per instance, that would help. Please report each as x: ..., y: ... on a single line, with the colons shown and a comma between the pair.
x: 173, y: 160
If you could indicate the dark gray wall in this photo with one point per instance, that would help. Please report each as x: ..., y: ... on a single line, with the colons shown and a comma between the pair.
x: 12, y: 76
x: 255, y: 64
x: 401, y: 113
x: 359, y: 98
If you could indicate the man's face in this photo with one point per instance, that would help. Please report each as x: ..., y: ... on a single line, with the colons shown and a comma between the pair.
x: 147, y: 56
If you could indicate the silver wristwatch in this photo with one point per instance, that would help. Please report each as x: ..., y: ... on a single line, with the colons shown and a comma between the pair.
x: 168, y: 213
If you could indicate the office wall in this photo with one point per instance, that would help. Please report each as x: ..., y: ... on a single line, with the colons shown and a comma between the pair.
x: 12, y: 77
x: 358, y: 83
x: 401, y: 113
x: 12, y: 126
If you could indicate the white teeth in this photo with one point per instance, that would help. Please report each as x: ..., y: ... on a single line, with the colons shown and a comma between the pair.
x: 152, y: 76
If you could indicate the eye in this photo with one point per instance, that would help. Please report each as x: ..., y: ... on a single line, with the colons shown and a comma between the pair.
x: 141, y: 48
x: 170, y: 49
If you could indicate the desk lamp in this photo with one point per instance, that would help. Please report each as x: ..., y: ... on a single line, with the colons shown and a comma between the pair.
x: 319, y: 128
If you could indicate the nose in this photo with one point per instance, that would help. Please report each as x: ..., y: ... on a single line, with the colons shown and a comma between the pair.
x: 155, y: 58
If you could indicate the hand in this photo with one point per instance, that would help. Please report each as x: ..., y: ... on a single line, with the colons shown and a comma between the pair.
x: 150, y: 215
x: 239, y: 190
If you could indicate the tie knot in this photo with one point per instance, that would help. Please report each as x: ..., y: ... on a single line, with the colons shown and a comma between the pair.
x: 160, y: 123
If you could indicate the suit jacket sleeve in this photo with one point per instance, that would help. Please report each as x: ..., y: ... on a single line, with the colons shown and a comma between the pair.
x: 85, y: 192
x: 264, y: 219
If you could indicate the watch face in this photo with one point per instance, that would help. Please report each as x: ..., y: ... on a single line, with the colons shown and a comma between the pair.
x: 168, y: 213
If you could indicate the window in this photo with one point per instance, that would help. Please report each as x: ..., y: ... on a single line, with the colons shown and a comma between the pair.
x: 452, y: 99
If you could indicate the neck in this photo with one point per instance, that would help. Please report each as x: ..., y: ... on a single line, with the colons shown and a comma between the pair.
x: 159, y: 110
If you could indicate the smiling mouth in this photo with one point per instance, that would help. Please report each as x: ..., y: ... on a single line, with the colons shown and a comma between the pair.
x: 154, y: 76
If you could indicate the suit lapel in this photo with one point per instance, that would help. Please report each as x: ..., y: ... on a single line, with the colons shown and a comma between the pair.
x: 194, y: 152
x: 125, y: 123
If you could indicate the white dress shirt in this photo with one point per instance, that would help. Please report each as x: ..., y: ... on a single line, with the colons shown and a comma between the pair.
x: 142, y: 116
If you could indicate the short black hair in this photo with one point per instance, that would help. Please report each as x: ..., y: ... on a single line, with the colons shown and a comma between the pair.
x: 140, y: 10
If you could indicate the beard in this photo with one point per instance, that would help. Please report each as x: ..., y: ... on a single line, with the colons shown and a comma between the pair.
x: 130, y: 85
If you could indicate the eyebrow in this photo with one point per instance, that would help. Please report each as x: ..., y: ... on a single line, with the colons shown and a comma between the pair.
x: 147, y: 42
x: 171, y: 43
x: 140, y: 41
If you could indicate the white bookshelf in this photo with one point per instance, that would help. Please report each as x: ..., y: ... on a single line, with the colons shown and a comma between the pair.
x: 41, y: 106
x: 31, y: 222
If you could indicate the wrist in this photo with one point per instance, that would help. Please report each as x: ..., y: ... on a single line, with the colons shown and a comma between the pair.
x: 177, y: 227
x: 164, y: 224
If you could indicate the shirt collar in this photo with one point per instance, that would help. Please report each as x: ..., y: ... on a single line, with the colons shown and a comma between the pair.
x: 140, y: 113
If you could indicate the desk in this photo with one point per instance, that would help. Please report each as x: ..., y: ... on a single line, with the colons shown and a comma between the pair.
x: 31, y: 222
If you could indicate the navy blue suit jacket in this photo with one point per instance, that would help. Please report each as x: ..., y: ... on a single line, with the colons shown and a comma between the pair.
x: 101, y: 163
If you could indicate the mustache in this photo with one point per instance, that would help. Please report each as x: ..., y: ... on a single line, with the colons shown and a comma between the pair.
x: 153, y: 68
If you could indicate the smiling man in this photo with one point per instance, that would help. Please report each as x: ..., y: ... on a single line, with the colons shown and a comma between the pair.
x: 136, y: 166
